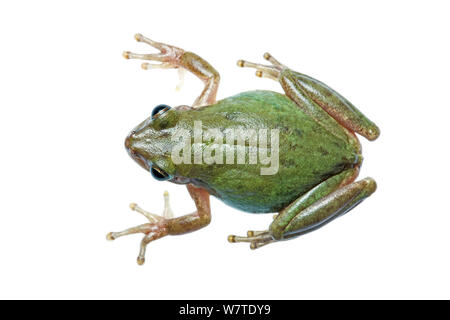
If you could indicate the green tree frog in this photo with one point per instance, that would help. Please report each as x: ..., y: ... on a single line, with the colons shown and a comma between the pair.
x: 312, y: 178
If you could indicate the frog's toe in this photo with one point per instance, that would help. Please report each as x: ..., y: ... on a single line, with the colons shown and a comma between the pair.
x: 168, y: 55
x: 157, y: 45
x: 272, y: 60
x: 141, y: 56
x: 150, y: 216
x: 151, y: 231
x: 257, y: 239
x: 164, y: 65
x: 155, y: 229
x: 271, y: 72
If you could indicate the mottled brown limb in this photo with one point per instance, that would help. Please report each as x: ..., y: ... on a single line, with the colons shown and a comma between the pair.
x: 194, y: 221
x: 205, y: 72
x: 161, y: 226
x: 174, y: 57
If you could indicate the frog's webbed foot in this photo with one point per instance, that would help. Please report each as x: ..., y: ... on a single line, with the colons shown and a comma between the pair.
x: 155, y: 229
x: 257, y: 239
x: 271, y: 72
x: 169, y: 56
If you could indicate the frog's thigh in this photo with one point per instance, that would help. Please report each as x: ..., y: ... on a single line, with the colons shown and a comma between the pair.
x: 297, y: 219
x: 320, y: 191
x: 314, y: 96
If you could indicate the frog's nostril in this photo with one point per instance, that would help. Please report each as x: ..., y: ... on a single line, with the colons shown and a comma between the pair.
x: 128, y: 140
x: 127, y: 143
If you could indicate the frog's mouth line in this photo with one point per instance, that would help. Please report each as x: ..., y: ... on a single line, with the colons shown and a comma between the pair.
x: 144, y: 163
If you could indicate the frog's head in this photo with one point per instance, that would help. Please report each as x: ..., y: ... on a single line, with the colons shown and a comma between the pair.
x: 150, y: 143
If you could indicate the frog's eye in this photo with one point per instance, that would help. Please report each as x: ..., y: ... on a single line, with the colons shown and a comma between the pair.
x: 159, y: 110
x: 159, y: 174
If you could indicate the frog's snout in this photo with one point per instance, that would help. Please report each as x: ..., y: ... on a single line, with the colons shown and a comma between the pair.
x: 129, y: 143
x: 133, y: 153
x: 128, y: 140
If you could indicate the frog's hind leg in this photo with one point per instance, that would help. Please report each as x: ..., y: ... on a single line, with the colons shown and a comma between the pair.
x: 172, y: 57
x: 325, y: 202
x: 317, y: 99
x: 293, y: 222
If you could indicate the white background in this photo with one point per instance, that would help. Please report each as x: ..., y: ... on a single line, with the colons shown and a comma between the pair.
x: 68, y: 99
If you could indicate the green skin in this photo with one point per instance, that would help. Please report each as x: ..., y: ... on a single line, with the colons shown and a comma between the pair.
x: 308, y: 153
x: 319, y: 154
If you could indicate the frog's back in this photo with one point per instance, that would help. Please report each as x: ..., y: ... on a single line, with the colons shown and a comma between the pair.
x: 308, y: 153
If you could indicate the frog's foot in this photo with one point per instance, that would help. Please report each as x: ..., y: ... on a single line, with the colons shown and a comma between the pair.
x: 271, y: 72
x: 169, y: 56
x: 155, y: 229
x: 257, y: 239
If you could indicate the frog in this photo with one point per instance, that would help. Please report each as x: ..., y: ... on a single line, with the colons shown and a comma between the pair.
x: 319, y: 153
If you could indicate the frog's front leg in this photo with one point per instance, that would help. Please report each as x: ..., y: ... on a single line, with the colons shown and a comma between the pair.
x: 161, y: 226
x: 173, y: 57
x: 330, y: 199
